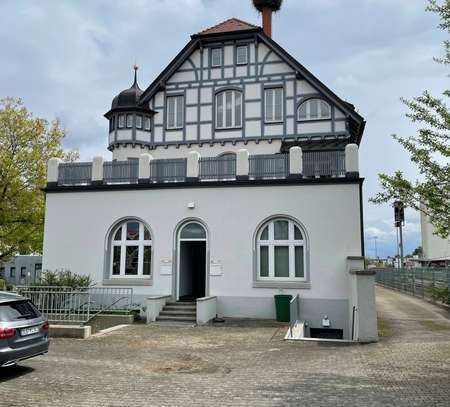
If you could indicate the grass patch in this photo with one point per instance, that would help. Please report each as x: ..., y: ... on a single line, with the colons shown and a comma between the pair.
x: 433, y: 326
x: 384, y: 328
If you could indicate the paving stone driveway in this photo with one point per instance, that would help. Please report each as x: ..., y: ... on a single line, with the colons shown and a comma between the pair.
x: 235, y: 365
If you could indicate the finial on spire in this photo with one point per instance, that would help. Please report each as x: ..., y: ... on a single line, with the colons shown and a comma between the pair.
x: 135, y: 67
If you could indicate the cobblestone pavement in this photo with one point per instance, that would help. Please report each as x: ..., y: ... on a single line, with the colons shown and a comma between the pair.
x: 244, y: 365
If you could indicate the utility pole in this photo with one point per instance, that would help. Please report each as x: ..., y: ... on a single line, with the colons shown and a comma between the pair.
x: 376, y: 249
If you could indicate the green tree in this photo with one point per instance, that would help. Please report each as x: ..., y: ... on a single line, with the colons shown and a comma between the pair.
x: 26, y: 144
x: 418, y: 251
x: 429, y: 149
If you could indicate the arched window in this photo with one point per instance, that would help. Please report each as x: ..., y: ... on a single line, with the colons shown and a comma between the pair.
x: 228, y: 109
x: 281, y: 251
x: 314, y: 109
x: 131, y: 250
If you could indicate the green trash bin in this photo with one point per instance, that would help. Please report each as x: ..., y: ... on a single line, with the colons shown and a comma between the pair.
x: 282, y: 307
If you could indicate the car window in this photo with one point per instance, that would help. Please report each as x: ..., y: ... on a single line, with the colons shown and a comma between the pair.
x: 18, y: 310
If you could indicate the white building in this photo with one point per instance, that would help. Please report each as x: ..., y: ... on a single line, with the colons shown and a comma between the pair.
x: 234, y: 178
x: 436, y: 250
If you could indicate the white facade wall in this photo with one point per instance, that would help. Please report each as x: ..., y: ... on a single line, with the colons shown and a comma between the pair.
x: 232, y: 216
x: 434, y: 247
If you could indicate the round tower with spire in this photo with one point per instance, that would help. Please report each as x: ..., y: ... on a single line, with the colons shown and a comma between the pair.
x: 130, y: 124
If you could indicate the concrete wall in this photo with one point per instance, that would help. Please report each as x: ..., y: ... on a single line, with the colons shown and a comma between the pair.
x: 434, y: 247
x: 231, y: 215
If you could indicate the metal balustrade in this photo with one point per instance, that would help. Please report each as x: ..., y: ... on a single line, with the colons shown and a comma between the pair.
x: 324, y: 163
x: 74, y: 173
x: 169, y: 170
x: 121, y: 172
x: 217, y: 168
x: 316, y: 164
x: 266, y: 166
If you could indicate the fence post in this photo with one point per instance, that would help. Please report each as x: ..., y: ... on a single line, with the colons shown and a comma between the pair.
x: 295, y: 162
x: 97, y: 170
x: 351, y: 161
x: 144, y: 168
x: 52, y: 171
x: 192, y: 170
x: 242, y: 164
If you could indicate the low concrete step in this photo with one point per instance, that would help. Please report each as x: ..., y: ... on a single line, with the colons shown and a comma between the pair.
x: 164, y: 312
x: 176, y: 318
x: 180, y: 307
x: 181, y: 303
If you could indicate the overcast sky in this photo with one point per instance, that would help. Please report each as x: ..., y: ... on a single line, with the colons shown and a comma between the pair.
x: 68, y: 59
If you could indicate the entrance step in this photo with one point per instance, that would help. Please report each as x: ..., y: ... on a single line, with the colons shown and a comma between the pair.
x: 176, y: 318
x: 180, y: 312
x: 191, y: 303
x: 180, y: 307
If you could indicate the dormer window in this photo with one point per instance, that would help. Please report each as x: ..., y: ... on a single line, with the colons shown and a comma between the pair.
x: 216, y: 57
x: 314, y: 109
x: 147, y: 123
x: 242, y: 55
x: 121, y: 121
x: 138, y: 121
x: 129, y: 121
x: 175, y: 114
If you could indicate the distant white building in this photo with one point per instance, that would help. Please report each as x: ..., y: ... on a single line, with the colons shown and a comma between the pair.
x: 22, y: 269
x: 234, y: 177
x: 436, y: 250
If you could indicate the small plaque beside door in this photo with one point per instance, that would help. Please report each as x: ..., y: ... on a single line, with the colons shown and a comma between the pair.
x: 215, y: 268
x: 165, y: 269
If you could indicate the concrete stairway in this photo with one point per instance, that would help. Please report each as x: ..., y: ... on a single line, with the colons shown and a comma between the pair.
x: 180, y: 311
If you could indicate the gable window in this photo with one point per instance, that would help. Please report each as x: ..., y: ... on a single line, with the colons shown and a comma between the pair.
x: 175, y: 106
x: 216, y: 57
x: 138, y: 121
x: 281, y: 251
x: 129, y: 121
x: 242, y: 55
x: 314, y: 109
x: 147, y: 123
x: 131, y: 250
x: 273, y: 105
x: 228, y: 109
x: 121, y: 121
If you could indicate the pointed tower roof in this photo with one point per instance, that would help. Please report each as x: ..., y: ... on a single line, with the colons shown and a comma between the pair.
x: 230, y: 25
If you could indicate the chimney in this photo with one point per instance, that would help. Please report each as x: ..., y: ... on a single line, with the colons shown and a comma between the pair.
x: 267, y: 21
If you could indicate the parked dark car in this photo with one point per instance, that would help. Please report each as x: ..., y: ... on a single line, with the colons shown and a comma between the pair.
x: 23, y: 330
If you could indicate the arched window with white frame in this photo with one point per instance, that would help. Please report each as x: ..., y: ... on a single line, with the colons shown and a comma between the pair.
x: 314, y: 109
x: 229, y: 109
x: 131, y: 250
x: 281, y: 251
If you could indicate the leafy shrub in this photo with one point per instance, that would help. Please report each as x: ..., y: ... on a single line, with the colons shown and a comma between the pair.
x: 2, y: 284
x: 440, y: 294
x: 64, y: 278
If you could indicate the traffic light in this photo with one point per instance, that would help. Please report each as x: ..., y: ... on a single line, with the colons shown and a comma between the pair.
x: 399, y: 213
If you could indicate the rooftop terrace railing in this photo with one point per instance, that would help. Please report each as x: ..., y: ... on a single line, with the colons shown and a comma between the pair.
x: 239, y: 166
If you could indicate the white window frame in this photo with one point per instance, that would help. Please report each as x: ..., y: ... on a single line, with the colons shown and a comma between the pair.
x: 139, y: 123
x: 244, y: 47
x: 178, y: 104
x: 123, y: 243
x: 271, y: 243
x: 223, y: 94
x: 121, y: 121
x: 129, y: 121
x: 147, y: 121
x: 220, y: 51
x: 272, y: 108
x: 307, y: 103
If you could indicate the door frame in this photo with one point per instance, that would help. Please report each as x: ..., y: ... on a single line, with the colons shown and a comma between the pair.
x: 176, y: 256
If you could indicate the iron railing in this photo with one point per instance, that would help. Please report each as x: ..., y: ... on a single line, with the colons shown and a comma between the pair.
x: 169, y: 170
x: 419, y: 282
x: 77, y: 305
x: 269, y: 166
x: 74, y: 173
x: 294, y: 313
x: 121, y: 172
x: 324, y: 164
x: 217, y: 168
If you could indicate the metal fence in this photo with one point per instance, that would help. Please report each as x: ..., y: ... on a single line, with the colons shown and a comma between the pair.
x: 416, y: 281
x: 169, y: 170
x: 269, y: 166
x: 294, y: 313
x: 324, y: 164
x: 121, y: 172
x: 74, y: 173
x: 218, y: 168
x: 77, y: 305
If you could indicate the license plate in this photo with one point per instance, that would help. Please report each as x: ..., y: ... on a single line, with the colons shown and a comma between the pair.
x: 29, y: 331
